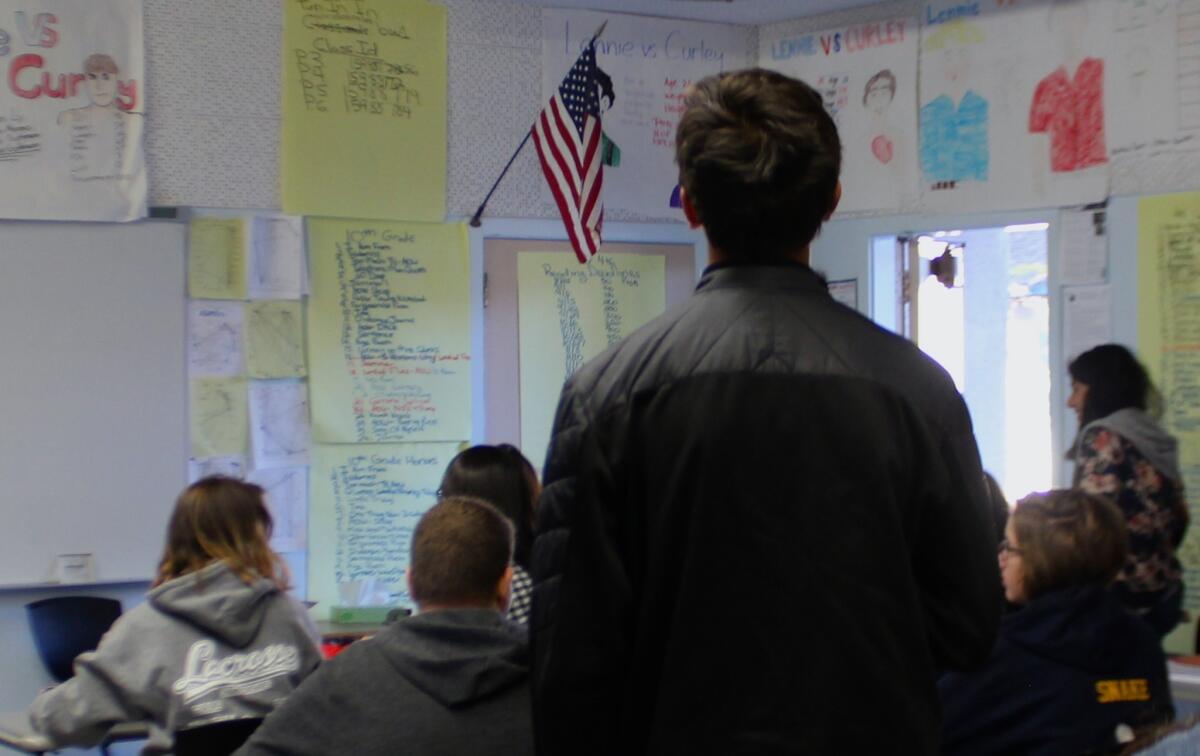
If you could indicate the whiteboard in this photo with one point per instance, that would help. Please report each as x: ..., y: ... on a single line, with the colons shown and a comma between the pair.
x: 92, y: 395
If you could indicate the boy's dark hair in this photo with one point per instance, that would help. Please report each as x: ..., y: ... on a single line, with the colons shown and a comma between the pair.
x: 460, y: 549
x: 500, y: 476
x: 1115, y: 380
x: 1069, y: 538
x: 759, y: 158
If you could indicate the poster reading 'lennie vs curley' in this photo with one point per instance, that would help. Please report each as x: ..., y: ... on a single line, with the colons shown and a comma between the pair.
x: 72, y: 110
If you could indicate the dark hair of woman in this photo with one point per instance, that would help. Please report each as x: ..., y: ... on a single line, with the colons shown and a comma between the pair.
x: 1115, y: 380
x: 501, y: 476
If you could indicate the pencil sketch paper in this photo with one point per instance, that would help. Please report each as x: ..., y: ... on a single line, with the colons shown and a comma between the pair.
x: 287, y: 500
x: 232, y: 466
x: 215, y: 339
x: 277, y: 258
x: 279, y: 431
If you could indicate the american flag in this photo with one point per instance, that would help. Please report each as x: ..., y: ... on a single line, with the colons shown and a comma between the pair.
x: 567, y: 135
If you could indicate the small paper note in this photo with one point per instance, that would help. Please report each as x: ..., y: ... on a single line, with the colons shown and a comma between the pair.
x: 275, y: 339
x: 214, y: 339
x: 277, y: 258
x: 217, y: 258
x: 279, y: 431
x: 218, y: 417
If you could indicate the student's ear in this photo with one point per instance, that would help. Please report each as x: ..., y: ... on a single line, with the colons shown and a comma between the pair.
x: 689, y: 210
x: 837, y: 197
x: 504, y: 589
x: 408, y: 581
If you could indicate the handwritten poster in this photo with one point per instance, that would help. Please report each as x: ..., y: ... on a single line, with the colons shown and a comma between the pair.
x: 1012, y: 104
x: 217, y: 258
x: 1143, y: 79
x: 1087, y: 318
x: 279, y: 433
x: 364, y: 109
x: 1169, y: 339
x: 74, y: 104
x: 366, y: 500
x: 567, y: 314
x: 867, y: 75
x: 647, y: 63
x: 1083, y: 247
x: 389, y: 332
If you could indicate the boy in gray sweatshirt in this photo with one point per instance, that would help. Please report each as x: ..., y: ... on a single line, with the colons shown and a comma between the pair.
x: 452, y: 679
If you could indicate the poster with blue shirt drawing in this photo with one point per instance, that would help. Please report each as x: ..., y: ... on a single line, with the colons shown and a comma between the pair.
x: 866, y: 75
x: 1012, y: 111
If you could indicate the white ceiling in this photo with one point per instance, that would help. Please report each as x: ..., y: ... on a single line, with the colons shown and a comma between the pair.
x: 751, y: 12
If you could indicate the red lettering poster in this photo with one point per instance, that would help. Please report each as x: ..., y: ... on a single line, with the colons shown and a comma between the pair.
x: 72, y: 106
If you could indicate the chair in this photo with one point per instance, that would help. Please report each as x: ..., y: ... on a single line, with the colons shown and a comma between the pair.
x: 217, y: 739
x: 67, y: 626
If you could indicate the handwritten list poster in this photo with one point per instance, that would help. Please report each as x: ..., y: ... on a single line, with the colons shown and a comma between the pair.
x: 389, y: 332
x: 364, y: 109
x: 1169, y: 339
x: 567, y: 314
x: 366, y: 500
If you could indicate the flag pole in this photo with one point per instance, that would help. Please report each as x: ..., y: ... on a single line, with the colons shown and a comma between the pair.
x: 475, y: 219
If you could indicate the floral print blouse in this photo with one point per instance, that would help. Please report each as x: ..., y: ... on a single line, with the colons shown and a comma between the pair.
x: 1110, y: 465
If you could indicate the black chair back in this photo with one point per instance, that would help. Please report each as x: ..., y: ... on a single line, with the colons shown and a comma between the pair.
x: 217, y: 739
x: 67, y: 626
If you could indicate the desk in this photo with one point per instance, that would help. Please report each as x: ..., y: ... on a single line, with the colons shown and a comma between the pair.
x: 347, y: 632
x: 17, y: 733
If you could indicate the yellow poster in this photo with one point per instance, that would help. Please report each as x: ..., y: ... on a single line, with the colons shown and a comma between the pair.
x: 217, y: 258
x: 569, y: 313
x: 1169, y: 340
x: 366, y: 500
x: 275, y: 339
x: 219, y: 421
x: 364, y: 109
x: 389, y: 332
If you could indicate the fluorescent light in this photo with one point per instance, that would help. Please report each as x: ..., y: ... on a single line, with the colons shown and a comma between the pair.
x: 1021, y: 228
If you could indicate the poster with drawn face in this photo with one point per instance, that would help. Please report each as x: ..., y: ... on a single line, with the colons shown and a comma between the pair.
x: 866, y: 76
x: 71, y: 115
x: 1013, y: 103
x: 648, y: 64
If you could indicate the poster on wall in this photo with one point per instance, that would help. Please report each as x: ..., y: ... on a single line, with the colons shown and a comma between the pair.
x: 1012, y: 104
x: 1143, y: 79
x: 867, y: 76
x: 364, y: 109
x: 647, y: 63
x: 1168, y: 311
x: 73, y: 114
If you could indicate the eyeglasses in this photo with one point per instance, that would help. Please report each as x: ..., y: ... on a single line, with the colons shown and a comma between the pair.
x: 1006, y: 548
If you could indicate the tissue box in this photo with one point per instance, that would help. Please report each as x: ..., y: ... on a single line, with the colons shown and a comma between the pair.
x: 352, y: 615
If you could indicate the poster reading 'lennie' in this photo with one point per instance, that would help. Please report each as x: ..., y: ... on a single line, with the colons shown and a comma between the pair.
x: 72, y: 107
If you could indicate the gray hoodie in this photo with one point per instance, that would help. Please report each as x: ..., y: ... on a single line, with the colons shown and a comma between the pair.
x: 205, y: 647
x: 1147, y: 436
x: 448, y: 682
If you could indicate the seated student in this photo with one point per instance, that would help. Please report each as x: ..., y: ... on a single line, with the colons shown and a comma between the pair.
x: 1071, y: 664
x: 452, y: 679
x: 216, y: 640
x: 501, y: 476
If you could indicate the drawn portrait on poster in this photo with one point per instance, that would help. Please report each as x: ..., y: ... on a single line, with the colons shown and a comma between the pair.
x: 646, y: 65
x: 1013, y: 103
x: 73, y: 122
x: 866, y: 76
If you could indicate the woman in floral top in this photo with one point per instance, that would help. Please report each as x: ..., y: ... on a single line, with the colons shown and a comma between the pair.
x: 1123, y: 453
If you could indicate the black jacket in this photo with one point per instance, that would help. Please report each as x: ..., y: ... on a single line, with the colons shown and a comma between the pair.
x: 1067, y: 669
x: 763, y: 531
x: 443, y: 683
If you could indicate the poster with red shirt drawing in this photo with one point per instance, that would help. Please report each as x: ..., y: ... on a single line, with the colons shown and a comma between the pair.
x: 71, y: 111
x: 1014, y: 110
